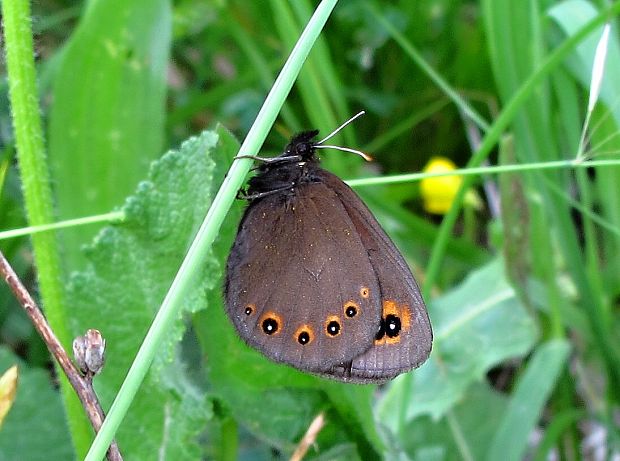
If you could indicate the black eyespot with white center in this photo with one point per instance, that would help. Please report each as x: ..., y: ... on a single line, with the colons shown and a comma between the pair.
x: 392, y: 326
x: 270, y: 326
x: 381, y: 333
x: 304, y: 335
x: 351, y: 309
x: 303, y: 338
x: 333, y: 328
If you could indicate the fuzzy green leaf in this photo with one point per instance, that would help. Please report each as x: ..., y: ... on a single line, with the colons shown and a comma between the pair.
x: 130, y: 269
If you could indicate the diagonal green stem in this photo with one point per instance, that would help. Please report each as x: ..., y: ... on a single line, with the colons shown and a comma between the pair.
x: 209, y: 229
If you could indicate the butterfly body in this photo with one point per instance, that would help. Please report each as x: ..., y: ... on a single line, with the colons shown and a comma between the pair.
x: 313, y: 280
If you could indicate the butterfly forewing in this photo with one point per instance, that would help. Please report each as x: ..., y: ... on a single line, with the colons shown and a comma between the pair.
x: 300, y: 285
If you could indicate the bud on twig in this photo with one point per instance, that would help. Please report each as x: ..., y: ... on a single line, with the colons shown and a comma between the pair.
x: 89, y: 352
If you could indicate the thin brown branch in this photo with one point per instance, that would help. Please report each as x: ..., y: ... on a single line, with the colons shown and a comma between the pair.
x: 309, y: 437
x: 82, y: 384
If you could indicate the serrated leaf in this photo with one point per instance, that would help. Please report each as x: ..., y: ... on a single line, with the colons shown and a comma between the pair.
x: 130, y: 268
x: 477, y: 325
x: 35, y: 428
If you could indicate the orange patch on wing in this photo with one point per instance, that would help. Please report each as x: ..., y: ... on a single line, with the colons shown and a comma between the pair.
x: 388, y: 341
x: 403, y: 313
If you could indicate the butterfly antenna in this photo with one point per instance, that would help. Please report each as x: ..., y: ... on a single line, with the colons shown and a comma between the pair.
x: 365, y: 156
x: 333, y: 133
x: 320, y: 145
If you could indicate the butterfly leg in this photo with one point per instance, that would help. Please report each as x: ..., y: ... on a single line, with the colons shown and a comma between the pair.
x: 347, y: 369
x: 243, y: 195
x: 288, y: 159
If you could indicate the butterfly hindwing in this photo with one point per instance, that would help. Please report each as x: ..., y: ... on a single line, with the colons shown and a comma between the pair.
x: 405, y: 338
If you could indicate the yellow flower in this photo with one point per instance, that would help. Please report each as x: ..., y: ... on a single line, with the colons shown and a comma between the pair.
x: 438, y: 192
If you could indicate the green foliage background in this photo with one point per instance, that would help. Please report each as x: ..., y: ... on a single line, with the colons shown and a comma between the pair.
x: 524, y: 301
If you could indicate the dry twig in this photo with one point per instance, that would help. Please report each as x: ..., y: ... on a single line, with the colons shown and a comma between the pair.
x: 309, y: 437
x: 82, y: 384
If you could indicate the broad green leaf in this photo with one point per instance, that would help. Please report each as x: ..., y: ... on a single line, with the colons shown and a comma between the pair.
x: 130, y: 268
x: 476, y: 417
x: 107, y: 117
x: 35, y: 428
x: 528, y: 401
x: 477, y: 326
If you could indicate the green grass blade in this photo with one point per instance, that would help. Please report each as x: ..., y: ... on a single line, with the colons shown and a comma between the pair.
x: 528, y: 401
x: 501, y: 123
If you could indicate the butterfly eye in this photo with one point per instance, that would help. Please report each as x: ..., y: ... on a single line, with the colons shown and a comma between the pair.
x: 332, y: 326
x: 351, y: 309
x: 270, y: 323
x: 304, y: 335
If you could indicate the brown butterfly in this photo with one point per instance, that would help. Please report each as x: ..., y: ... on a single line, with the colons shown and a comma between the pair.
x: 313, y: 280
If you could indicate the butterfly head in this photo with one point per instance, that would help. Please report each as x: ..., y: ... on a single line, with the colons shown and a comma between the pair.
x: 303, y: 146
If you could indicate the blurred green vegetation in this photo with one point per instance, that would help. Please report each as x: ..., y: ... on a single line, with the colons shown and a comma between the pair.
x: 526, y: 359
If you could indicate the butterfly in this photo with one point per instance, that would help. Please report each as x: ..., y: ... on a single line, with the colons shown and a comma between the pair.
x: 313, y: 280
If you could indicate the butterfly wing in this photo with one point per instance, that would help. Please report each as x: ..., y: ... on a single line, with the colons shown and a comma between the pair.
x: 300, y: 286
x: 405, y: 339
